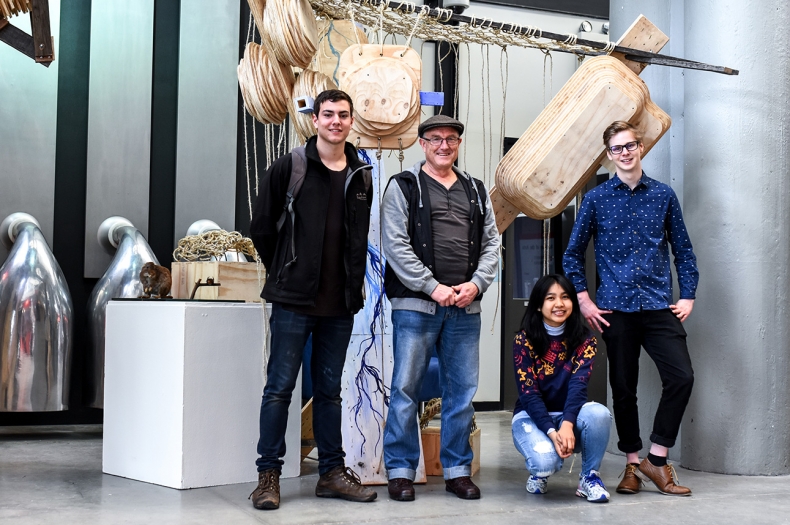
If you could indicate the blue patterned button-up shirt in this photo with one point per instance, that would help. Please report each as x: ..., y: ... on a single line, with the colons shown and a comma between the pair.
x: 630, y: 231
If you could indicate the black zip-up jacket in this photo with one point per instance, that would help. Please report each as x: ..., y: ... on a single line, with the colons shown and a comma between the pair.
x: 297, y: 283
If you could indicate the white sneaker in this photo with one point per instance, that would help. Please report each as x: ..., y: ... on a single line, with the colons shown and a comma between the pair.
x: 536, y: 485
x: 592, y: 488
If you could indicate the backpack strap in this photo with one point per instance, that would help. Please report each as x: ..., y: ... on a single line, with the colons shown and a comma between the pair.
x: 298, y: 173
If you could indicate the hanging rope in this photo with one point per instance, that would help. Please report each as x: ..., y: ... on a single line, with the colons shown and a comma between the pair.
x: 399, y: 19
x: 546, y: 247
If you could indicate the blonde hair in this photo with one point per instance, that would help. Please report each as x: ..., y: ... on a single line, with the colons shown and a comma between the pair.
x: 619, y: 126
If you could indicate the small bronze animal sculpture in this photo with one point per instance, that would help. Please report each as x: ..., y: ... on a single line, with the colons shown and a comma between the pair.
x: 156, y: 281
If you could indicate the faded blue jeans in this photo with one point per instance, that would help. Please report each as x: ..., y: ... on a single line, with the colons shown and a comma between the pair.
x: 456, y: 335
x: 290, y: 331
x: 592, y: 436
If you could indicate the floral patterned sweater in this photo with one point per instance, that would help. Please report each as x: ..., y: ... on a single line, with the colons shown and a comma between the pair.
x: 556, y: 382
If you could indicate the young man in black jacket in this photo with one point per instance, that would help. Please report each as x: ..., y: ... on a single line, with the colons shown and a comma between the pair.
x: 314, y: 251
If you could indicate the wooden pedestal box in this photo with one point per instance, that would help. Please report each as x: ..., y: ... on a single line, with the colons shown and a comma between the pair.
x: 238, y: 280
x: 431, y: 445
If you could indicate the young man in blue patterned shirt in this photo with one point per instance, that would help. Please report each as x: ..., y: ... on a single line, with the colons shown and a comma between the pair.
x: 632, y: 220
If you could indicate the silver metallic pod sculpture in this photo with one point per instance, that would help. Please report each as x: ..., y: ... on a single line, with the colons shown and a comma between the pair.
x: 121, y: 280
x: 36, y: 322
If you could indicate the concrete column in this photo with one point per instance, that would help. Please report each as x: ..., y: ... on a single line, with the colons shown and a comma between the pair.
x: 736, y: 192
x: 664, y: 163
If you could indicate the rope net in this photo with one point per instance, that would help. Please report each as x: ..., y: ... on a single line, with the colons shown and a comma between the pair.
x: 214, y: 243
x: 417, y: 22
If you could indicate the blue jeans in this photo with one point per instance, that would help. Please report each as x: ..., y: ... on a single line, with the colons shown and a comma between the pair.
x: 330, y: 341
x: 592, y: 436
x: 456, y: 335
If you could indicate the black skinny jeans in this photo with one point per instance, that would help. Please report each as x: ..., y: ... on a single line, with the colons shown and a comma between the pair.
x: 662, y: 336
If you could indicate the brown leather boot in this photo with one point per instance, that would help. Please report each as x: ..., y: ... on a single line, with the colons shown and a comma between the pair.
x: 266, y: 495
x: 665, y: 478
x: 342, y: 482
x: 630, y: 484
x: 462, y: 487
x: 401, y: 489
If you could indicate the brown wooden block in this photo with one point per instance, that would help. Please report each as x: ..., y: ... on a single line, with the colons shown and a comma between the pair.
x: 42, y: 35
x: 239, y: 280
x: 643, y: 36
x: 431, y: 447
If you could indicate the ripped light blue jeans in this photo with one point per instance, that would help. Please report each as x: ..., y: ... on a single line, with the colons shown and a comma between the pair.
x: 592, y: 436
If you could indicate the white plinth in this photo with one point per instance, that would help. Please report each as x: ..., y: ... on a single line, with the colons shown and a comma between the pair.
x: 182, y: 393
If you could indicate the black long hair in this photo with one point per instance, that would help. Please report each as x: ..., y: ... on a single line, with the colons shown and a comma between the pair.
x: 532, y: 323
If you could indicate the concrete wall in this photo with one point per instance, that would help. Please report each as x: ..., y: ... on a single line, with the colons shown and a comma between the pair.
x: 726, y: 156
x: 736, y: 189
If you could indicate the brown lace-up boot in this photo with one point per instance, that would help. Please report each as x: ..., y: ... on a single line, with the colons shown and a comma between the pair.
x: 266, y: 495
x: 342, y: 482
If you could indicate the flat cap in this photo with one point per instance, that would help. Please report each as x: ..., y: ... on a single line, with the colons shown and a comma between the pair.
x: 440, y: 121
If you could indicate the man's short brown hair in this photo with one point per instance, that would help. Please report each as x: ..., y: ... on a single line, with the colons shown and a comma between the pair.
x: 332, y: 95
x: 618, y: 126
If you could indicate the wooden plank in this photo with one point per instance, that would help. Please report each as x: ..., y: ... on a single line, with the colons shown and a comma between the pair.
x: 19, y: 40
x: 335, y: 36
x: 643, y: 35
x: 239, y: 280
x: 3, y: 23
x: 42, y: 35
x: 308, y: 437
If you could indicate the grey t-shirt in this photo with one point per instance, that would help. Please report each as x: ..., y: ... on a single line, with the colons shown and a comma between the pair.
x: 450, y: 230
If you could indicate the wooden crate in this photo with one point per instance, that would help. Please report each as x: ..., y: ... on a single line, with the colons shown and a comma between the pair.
x: 431, y: 446
x: 239, y: 280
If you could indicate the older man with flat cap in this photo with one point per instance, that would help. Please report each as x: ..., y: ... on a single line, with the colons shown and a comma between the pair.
x: 442, y: 249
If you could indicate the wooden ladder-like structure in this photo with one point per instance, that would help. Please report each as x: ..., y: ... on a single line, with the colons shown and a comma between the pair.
x: 39, y: 46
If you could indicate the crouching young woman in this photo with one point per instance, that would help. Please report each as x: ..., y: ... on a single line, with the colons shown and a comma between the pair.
x: 553, y: 358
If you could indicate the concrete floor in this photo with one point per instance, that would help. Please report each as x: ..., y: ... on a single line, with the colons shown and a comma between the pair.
x: 54, y: 476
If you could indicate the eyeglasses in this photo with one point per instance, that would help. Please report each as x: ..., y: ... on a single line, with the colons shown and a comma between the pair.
x: 437, y: 141
x: 618, y: 149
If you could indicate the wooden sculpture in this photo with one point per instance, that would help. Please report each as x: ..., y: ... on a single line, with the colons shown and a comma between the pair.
x: 335, y: 36
x: 384, y: 83
x: 563, y: 148
x: 266, y: 85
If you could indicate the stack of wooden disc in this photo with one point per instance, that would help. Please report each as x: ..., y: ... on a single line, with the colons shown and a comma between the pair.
x: 289, y: 31
x: 256, y: 8
x: 308, y: 84
x: 562, y: 148
x: 9, y: 8
x: 384, y: 83
x: 266, y: 85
